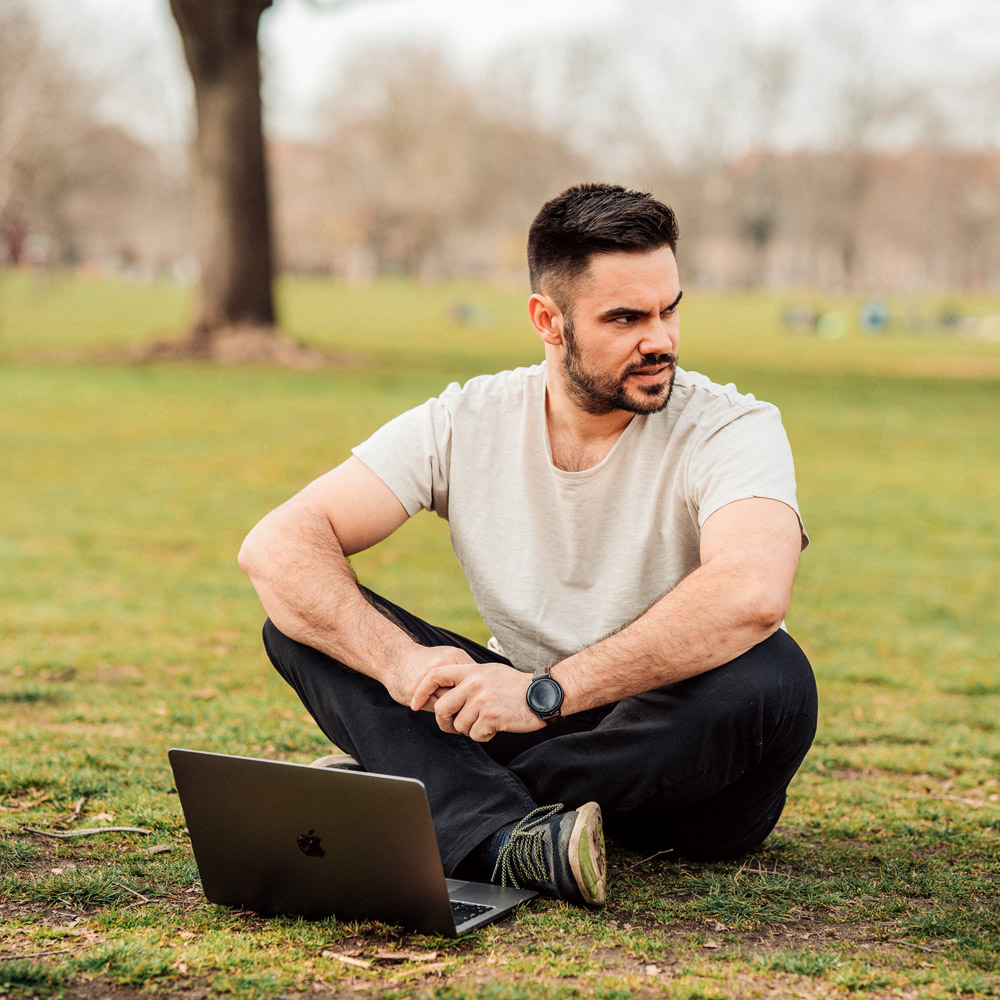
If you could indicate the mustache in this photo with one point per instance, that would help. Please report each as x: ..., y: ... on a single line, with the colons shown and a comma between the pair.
x: 651, y: 361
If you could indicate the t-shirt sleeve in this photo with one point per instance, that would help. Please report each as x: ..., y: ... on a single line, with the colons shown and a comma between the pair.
x: 743, y: 454
x: 411, y: 454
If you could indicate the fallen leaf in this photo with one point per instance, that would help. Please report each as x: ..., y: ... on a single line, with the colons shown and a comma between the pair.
x: 21, y: 806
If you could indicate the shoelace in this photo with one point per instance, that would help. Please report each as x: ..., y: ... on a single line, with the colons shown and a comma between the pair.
x: 523, y: 856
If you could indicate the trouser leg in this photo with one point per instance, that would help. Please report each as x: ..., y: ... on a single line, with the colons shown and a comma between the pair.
x: 700, y: 767
x: 470, y: 795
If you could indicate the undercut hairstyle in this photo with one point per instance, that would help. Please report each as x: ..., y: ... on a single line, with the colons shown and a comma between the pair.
x: 592, y: 219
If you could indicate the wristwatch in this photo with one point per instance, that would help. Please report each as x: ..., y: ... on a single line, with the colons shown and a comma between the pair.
x: 544, y: 695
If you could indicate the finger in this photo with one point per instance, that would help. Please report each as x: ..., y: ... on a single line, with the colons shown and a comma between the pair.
x: 466, y: 719
x: 482, y: 732
x: 441, y: 676
x: 420, y: 699
x: 428, y: 705
x: 431, y: 684
x: 445, y: 722
x: 449, y: 704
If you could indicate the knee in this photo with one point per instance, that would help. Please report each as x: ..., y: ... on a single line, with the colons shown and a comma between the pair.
x: 790, y: 704
x: 296, y: 661
x: 783, y: 676
x: 277, y: 645
x: 769, y: 694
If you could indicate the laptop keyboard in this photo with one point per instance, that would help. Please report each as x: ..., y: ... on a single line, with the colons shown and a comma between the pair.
x: 466, y: 911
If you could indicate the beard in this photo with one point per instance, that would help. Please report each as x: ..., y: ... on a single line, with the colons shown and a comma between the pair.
x: 599, y: 393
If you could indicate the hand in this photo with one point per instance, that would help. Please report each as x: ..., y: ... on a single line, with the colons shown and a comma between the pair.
x: 402, y: 679
x: 477, y: 700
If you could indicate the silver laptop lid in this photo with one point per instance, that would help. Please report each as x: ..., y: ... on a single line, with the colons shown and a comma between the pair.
x: 289, y: 838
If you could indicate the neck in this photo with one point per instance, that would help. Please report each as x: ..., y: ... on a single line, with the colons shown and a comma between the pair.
x: 579, y: 440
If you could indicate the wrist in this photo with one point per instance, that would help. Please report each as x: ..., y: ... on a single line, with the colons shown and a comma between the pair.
x: 566, y: 672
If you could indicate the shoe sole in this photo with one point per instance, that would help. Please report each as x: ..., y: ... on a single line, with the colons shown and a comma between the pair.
x: 341, y: 761
x: 586, y: 854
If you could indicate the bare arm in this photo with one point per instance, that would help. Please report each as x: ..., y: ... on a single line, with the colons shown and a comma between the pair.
x: 735, y: 599
x: 296, y: 558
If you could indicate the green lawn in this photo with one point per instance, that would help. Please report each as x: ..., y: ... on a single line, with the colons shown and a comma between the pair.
x: 126, y: 628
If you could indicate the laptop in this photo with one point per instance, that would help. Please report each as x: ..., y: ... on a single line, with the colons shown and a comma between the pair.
x: 318, y: 842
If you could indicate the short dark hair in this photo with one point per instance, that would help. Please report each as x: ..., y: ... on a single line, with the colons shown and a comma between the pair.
x: 593, y: 219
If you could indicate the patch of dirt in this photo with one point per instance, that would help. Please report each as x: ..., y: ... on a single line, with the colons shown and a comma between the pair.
x: 242, y: 345
x: 100, y: 988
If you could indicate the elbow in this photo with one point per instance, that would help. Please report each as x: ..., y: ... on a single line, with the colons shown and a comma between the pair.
x: 766, y: 610
x: 244, y: 558
x: 249, y: 556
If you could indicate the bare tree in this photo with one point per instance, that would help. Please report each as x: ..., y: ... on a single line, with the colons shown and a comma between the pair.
x: 44, y: 118
x: 768, y: 70
x: 421, y: 158
x: 230, y: 176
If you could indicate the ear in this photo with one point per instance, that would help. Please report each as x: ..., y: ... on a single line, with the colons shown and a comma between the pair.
x: 546, y: 318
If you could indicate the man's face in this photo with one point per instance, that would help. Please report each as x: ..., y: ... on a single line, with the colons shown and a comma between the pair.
x: 622, y: 333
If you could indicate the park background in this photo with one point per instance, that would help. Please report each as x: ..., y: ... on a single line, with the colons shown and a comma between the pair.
x: 836, y: 170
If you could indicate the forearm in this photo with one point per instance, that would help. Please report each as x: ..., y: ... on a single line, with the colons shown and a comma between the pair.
x: 307, y: 587
x: 708, y: 619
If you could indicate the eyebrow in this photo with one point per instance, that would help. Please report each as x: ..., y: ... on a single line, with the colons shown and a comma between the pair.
x: 617, y: 311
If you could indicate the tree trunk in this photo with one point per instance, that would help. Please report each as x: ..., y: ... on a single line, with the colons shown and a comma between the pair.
x: 230, y: 176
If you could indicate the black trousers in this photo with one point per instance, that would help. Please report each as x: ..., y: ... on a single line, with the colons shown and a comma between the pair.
x: 700, y: 767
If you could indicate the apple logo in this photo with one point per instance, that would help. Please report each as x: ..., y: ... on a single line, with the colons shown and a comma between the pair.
x: 309, y: 845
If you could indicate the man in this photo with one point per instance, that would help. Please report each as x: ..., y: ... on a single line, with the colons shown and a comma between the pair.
x: 630, y: 534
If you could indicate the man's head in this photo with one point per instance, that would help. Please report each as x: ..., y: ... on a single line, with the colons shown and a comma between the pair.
x: 605, y: 291
x: 587, y: 220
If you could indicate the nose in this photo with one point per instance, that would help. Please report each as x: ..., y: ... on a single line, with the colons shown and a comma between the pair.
x: 660, y: 336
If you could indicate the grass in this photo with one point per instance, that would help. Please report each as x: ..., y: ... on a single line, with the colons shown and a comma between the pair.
x: 125, y: 628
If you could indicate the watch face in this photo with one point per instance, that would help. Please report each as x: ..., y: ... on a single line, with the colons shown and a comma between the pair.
x: 545, y: 695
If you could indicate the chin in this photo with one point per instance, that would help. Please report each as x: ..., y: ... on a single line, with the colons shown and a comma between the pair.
x: 653, y: 401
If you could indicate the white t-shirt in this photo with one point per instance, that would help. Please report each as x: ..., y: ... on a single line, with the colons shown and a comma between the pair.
x: 557, y: 560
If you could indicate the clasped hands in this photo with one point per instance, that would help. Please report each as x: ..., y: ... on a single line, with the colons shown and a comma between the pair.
x: 477, y: 700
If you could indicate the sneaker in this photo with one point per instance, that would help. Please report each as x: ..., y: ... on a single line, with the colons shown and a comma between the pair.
x: 343, y: 761
x: 555, y: 852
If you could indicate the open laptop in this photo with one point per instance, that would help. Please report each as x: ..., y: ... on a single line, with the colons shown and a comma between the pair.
x: 317, y: 842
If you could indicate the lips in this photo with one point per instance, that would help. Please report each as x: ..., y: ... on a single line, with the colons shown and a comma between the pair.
x: 657, y: 371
